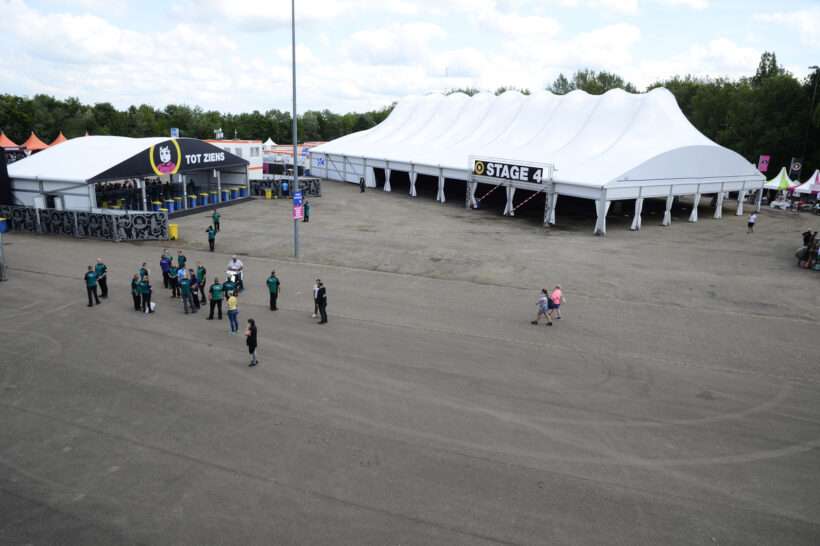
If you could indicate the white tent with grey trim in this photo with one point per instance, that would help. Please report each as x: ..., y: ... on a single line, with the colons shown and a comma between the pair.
x: 615, y: 146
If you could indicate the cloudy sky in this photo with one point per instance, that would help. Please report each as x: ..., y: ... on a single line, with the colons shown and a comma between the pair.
x: 354, y: 55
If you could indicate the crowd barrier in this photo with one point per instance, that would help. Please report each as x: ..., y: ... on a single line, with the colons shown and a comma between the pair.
x: 136, y: 226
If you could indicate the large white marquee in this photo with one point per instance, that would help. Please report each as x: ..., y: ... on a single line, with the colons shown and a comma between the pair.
x: 607, y: 147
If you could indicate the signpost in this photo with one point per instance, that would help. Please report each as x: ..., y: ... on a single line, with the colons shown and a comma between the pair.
x: 295, y: 133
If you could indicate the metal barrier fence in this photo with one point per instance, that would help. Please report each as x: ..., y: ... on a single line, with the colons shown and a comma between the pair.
x: 310, y: 187
x: 137, y: 226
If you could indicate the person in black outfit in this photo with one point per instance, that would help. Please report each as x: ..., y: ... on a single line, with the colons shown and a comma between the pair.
x: 100, y: 269
x: 216, y: 298
x: 145, y: 289
x: 136, y: 292
x: 321, y: 301
x: 91, y: 285
x: 250, y: 339
x: 362, y: 185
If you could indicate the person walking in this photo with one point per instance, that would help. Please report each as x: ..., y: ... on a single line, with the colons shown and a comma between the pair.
x: 315, y: 300
x: 215, y: 218
x: 250, y: 339
x: 145, y: 291
x: 321, y: 301
x: 211, y: 231
x: 201, y: 278
x: 185, y: 289
x: 555, y: 299
x: 273, y: 289
x: 229, y: 286
x: 165, y: 264
x: 181, y: 260
x: 750, y: 226
x: 100, y: 269
x: 216, y: 298
x: 543, y: 306
x: 136, y: 293
x: 233, y: 313
x: 91, y: 286
x: 306, y: 211
x: 144, y: 272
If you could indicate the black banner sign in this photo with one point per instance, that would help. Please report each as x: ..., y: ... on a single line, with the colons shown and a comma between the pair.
x: 508, y: 171
x: 173, y: 156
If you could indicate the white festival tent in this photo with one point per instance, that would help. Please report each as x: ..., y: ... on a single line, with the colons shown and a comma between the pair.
x: 614, y: 146
x: 780, y: 182
x: 812, y: 185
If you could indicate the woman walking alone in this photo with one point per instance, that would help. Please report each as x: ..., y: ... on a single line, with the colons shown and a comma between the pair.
x: 233, y: 313
x: 250, y: 339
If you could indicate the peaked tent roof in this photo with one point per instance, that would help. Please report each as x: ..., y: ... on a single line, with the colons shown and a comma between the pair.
x: 97, y: 158
x: 617, y: 138
x: 34, y: 143
x: 811, y: 185
x: 781, y: 179
x: 59, y: 140
x: 6, y: 142
x: 269, y: 142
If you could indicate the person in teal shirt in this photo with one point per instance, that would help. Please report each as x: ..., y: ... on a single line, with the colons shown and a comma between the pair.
x: 215, y: 218
x: 185, y: 288
x: 91, y: 285
x: 136, y: 292
x: 145, y: 291
x: 273, y: 288
x: 306, y: 212
x: 100, y: 269
x: 173, y: 276
x: 181, y: 260
x: 229, y: 287
x: 211, y: 237
x: 216, y: 298
x: 143, y: 270
x: 201, y: 278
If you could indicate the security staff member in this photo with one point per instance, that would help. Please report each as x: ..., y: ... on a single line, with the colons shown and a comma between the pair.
x: 145, y: 290
x: 181, y: 260
x: 211, y: 237
x: 100, y: 269
x: 216, y: 298
x: 229, y: 286
x: 201, y: 280
x: 215, y: 218
x: 273, y: 289
x: 91, y: 285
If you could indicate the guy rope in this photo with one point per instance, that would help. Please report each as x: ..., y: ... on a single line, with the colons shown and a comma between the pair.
x: 527, y: 200
x: 489, y: 192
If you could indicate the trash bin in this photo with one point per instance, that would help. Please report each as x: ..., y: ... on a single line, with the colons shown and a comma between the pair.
x: 169, y: 204
x: 4, y: 225
x: 203, y: 199
x: 173, y: 231
x: 268, y: 193
x: 157, y: 205
x: 234, y: 193
x: 191, y: 201
x: 178, y: 202
x: 214, y: 197
x: 243, y: 191
x: 225, y: 194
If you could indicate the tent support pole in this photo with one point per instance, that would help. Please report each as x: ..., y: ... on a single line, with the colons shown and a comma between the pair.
x: 92, y: 197
x: 184, y: 191
x: 602, y: 208
x: 218, y: 186
x: 510, y: 209
x: 248, y: 180
x: 413, y: 176
x: 344, y: 168
x: 719, y: 204
x: 440, y: 197
x: 693, y: 216
x: 741, y: 196
x: 144, y: 198
x: 759, y: 199
x: 636, y: 220
x: 552, y: 197
x: 387, y: 186
x: 667, y: 214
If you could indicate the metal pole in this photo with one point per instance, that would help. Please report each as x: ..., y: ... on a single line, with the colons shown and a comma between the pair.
x: 293, y: 127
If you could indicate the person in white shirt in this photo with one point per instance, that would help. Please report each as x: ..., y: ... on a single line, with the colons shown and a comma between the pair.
x: 750, y: 227
x: 315, y: 300
x: 237, y: 267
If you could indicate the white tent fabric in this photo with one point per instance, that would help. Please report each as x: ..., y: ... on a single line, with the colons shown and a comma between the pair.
x: 775, y: 182
x: 80, y: 159
x: 811, y: 185
x: 616, y: 143
x: 269, y: 143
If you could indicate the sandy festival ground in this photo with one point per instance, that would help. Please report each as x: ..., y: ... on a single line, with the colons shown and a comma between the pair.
x: 677, y: 402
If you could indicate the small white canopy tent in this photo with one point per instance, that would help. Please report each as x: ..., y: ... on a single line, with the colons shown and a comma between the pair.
x: 609, y: 147
x: 812, y: 185
x: 780, y: 182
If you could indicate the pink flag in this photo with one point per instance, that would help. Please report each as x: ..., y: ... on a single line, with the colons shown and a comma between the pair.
x: 763, y: 163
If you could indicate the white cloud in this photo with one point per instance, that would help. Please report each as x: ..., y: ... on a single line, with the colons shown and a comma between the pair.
x: 397, y: 44
x: 806, y: 22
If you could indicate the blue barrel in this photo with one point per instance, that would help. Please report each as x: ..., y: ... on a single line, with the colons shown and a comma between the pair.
x: 224, y: 195
x: 156, y: 205
x: 4, y: 225
x: 169, y: 204
x: 234, y: 193
x: 191, y: 201
x: 243, y: 192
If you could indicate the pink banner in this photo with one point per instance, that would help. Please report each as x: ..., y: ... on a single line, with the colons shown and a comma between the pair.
x: 763, y: 163
x: 298, y: 212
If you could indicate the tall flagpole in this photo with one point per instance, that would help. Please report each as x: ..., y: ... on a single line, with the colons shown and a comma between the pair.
x: 295, y: 179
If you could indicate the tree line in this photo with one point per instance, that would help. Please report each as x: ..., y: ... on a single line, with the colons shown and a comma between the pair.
x: 765, y: 113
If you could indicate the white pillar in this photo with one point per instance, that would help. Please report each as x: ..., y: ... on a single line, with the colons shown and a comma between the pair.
x: 218, y: 185
x: 636, y: 220
x: 387, y: 178
x: 440, y: 197
x: 759, y: 199
x: 184, y: 191
x: 601, y: 210
x: 552, y: 200
x: 144, y: 198
x: 719, y: 203
x: 740, y: 197
x: 471, y: 188
x: 693, y: 216
x: 509, y: 210
x: 247, y: 179
x: 413, y: 176
x: 667, y: 214
x: 344, y: 167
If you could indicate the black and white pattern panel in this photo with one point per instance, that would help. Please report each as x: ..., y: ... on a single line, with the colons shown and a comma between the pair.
x: 144, y: 226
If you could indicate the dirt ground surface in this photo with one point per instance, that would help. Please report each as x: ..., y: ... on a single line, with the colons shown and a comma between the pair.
x: 676, y: 402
